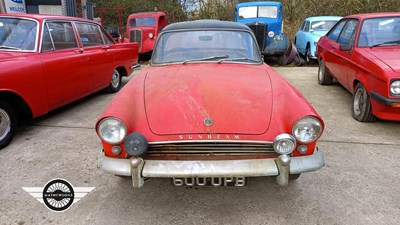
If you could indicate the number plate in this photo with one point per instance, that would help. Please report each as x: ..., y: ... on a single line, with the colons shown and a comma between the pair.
x: 210, y: 181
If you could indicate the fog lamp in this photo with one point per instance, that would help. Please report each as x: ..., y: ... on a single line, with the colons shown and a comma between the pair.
x: 284, y: 144
x: 136, y: 144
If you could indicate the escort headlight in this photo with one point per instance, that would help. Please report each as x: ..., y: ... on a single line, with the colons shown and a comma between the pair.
x: 112, y: 130
x: 284, y: 144
x: 395, y: 87
x: 307, y: 129
x: 271, y: 34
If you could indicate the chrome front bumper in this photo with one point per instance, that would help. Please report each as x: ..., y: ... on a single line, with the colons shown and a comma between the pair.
x: 280, y: 167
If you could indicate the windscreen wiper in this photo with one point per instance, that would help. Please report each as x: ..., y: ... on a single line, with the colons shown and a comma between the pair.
x: 9, y: 47
x: 206, y: 58
x: 386, y: 43
x: 238, y: 59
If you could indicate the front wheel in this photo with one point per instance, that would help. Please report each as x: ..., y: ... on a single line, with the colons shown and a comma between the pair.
x: 8, y: 124
x: 362, y: 110
x: 115, y: 84
x: 307, y: 55
x: 324, y: 78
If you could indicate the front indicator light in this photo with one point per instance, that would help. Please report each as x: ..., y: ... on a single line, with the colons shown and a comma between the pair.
x: 284, y: 144
x: 116, y: 150
x: 302, y: 149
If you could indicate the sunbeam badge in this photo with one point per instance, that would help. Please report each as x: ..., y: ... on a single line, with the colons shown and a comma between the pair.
x: 58, y: 194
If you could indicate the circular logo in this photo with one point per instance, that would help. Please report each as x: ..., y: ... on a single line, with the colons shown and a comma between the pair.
x: 208, y: 122
x: 58, y: 195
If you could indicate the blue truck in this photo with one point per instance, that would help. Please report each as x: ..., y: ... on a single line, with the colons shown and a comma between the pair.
x: 266, y: 21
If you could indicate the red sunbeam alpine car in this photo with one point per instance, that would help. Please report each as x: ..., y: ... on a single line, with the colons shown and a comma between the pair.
x: 208, y: 111
x: 362, y: 52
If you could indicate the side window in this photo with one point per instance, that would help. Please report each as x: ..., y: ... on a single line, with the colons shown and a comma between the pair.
x: 307, y: 26
x: 348, y: 32
x: 89, y: 34
x: 57, y: 36
x: 302, y: 25
x: 335, y: 31
x: 106, y: 38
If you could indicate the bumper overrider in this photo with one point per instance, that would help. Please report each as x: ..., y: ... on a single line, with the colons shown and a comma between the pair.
x: 281, y: 167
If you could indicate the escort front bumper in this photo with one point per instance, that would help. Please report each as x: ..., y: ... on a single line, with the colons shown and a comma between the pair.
x: 280, y: 167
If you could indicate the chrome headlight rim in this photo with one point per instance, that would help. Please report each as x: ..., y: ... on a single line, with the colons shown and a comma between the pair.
x: 295, y: 127
x: 271, y: 34
x: 392, y: 88
x: 124, y: 128
x: 284, y: 137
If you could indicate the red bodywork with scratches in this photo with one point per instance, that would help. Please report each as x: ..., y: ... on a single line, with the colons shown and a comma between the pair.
x: 149, y: 24
x: 171, y: 102
x: 367, y: 54
x: 39, y: 79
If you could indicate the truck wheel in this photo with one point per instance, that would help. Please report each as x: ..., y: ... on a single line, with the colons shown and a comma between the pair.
x: 8, y: 124
x: 324, y: 78
x: 361, y: 109
x: 115, y: 84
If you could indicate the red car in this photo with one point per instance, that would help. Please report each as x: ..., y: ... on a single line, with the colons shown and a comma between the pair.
x: 49, y: 61
x: 362, y: 52
x: 208, y: 111
x: 144, y: 28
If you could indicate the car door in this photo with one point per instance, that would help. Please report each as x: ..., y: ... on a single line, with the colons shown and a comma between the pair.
x: 344, y: 65
x: 100, y: 64
x: 303, y: 37
x: 329, y: 46
x: 63, y: 63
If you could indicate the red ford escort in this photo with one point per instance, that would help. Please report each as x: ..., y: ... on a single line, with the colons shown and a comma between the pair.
x: 362, y: 52
x: 49, y: 61
x: 208, y: 111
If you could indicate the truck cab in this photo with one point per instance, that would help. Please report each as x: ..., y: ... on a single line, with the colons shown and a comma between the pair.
x: 266, y: 21
x: 144, y: 28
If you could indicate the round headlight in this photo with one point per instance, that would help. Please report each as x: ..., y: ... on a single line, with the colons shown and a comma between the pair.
x: 284, y: 144
x: 111, y: 130
x: 395, y: 87
x: 271, y: 34
x: 151, y: 35
x: 307, y: 129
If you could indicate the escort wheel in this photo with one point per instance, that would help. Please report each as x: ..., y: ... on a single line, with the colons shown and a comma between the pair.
x: 8, y: 124
x: 324, y: 78
x: 361, y: 109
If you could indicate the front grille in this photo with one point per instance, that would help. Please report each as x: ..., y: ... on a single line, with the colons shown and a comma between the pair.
x: 260, y: 31
x: 136, y: 36
x: 209, y: 148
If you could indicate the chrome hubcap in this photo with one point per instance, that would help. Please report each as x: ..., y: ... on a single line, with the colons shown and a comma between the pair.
x: 5, y: 124
x: 358, y: 104
x: 115, y: 79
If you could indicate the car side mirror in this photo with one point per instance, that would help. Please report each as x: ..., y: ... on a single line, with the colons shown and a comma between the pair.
x: 345, y: 47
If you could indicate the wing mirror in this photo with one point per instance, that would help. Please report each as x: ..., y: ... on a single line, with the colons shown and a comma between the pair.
x: 345, y: 47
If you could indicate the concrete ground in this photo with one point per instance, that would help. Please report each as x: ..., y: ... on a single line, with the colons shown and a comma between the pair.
x: 359, y: 184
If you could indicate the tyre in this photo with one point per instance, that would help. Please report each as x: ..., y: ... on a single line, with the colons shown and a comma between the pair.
x: 294, y: 176
x: 115, y: 84
x: 362, y: 110
x: 324, y: 78
x: 8, y: 124
x: 307, y: 54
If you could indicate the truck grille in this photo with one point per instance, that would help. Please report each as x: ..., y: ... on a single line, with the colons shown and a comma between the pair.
x: 209, y: 148
x: 136, y: 36
x: 260, y: 31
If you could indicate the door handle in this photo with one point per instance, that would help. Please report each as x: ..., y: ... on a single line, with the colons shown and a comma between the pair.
x: 333, y: 47
x: 105, y: 47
